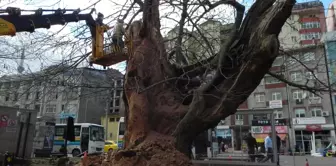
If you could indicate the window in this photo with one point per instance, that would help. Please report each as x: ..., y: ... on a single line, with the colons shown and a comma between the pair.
x: 309, y: 25
x: 271, y: 80
x: 311, y: 36
x: 111, y: 134
x: 27, y: 106
x: 7, y: 97
x: 96, y: 133
x: 316, y: 112
x: 16, y: 96
x: 109, y: 143
x: 312, y: 95
x: 59, y: 130
x: 260, y: 116
x: 239, y: 119
x: 291, y: 60
x: 300, y: 112
x: 278, y: 114
x: 50, y: 108
x: 111, y: 119
x: 37, y: 107
x: 308, y: 56
x: 259, y: 97
x: 37, y: 96
x: 294, y: 39
x: 119, y: 83
x: 296, y: 76
x: 297, y: 94
x: 27, y: 96
x: 310, y: 75
x: 278, y: 61
x: 117, y: 102
x: 276, y: 96
x: 118, y: 92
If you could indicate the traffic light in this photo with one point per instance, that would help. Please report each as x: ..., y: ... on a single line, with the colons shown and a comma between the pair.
x: 70, y: 130
x: 8, y: 159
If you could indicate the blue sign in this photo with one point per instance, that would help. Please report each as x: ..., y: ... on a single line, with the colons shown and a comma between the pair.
x: 225, y: 133
x: 65, y: 115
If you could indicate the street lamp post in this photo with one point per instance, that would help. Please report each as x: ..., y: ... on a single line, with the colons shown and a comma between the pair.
x: 329, y: 88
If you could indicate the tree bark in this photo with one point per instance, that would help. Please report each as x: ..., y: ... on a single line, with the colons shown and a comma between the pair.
x: 160, y: 125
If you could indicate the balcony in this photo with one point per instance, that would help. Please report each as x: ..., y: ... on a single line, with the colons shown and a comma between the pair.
x: 239, y: 122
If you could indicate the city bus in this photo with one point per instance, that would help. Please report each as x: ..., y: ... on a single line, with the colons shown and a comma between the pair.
x: 88, y: 137
x: 121, y: 132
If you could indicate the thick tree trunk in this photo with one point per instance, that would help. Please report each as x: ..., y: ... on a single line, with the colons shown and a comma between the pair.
x: 160, y: 124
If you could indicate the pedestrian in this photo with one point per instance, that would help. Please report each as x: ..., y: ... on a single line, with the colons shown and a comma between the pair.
x: 222, y: 146
x: 278, y: 139
x: 251, y: 146
x: 269, y: 148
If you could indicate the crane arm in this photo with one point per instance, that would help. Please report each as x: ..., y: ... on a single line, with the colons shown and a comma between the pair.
x: 15, y: 22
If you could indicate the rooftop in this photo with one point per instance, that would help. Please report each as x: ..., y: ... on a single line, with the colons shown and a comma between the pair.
x: 306, y: 5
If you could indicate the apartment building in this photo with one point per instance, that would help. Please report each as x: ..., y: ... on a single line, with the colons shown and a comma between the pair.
x: 300, y: 38
x: 305, y: 26
x: 59, y: 92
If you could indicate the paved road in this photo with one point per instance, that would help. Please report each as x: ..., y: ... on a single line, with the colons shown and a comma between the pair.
x: 301, y: 161
x: 236, y: 160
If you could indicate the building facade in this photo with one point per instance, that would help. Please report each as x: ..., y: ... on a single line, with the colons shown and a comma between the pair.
x: 308, y: 113
x: 116, y: 110
x: 59, y: 92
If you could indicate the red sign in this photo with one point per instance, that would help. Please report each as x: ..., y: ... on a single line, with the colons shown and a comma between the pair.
x: 3, y: 120
x: 268, y: 129
x: 313, y: 127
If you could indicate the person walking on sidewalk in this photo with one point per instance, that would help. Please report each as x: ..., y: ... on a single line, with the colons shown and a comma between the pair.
x: 251, y: 146
x: 269, y: 148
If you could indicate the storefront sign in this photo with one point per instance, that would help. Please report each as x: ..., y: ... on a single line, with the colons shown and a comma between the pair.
x: 268, y: 129
x: 225, y: 133
x: 261, y: 137
x: 65, y: 115
x: 278, y: 122
x: 313, y: 127
x: 305, y: 121
x: 275, y: 104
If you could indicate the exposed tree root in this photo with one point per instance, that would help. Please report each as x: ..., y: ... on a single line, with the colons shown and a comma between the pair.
x: 155, y: 150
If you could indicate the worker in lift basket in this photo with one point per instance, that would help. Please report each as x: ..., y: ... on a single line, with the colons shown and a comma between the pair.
x: 118, y: 33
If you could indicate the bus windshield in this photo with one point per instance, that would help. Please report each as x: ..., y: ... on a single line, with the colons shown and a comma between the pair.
x: 122, y: 128
x: 96, y: 133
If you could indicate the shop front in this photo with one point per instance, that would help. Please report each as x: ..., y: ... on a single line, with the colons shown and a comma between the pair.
x: 312, y: 134
x: 223, y: 133
x: 261, y: 132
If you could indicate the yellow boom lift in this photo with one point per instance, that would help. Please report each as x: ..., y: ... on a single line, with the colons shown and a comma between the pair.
x: 11, y: 22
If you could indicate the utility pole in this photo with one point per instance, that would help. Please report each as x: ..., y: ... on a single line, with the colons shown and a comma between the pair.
x: 109, y: 99
x: 329, y: 88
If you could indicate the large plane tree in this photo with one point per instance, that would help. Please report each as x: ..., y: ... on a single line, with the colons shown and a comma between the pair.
x: 167, y: 105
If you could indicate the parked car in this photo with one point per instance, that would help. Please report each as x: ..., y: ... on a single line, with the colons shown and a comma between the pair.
x: 110, y: 146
